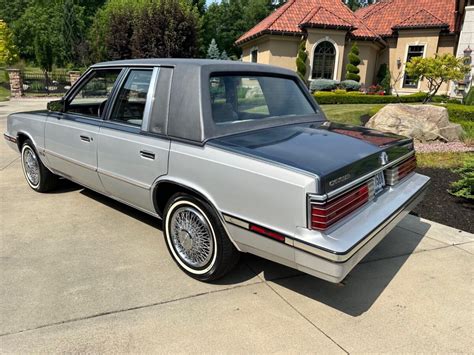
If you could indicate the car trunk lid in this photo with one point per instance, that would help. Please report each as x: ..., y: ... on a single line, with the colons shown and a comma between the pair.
x: 336, y: 153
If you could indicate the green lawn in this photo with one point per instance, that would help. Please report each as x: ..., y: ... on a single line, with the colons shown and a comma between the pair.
x: 350, y: 113
x: 4, y: 94
x: 445, y: 160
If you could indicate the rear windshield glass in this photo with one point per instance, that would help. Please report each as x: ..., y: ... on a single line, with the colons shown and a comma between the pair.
x: 237, y: 98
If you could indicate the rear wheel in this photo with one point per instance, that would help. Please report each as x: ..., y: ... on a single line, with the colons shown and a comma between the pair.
x: 36, y: 174
x: 196, y: 238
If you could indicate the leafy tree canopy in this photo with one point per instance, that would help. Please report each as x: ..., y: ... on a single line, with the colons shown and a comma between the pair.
x: 126, y: 29
x: 228, y: 20
x: 437, y: 70
x: 8, y: 50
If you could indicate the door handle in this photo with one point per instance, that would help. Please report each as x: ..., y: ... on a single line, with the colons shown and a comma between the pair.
x: 85, y: 139
x: 146, y: 154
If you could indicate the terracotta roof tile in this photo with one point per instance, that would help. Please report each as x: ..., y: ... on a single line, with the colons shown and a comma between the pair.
x: 423, y: 18
x: 320, y: 16
x: 324, y: 13
x: 386, y: 15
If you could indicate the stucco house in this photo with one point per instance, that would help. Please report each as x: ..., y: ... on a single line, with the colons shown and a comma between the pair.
x: 389, y: 31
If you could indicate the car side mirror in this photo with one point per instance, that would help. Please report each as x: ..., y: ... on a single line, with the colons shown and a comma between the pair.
x: 57, y: 105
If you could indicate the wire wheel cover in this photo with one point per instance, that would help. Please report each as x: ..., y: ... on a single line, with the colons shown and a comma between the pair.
x: 191, y: 236
x: 30, y: 162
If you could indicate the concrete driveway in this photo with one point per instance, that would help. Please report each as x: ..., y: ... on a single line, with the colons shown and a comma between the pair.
x: 82, y: 273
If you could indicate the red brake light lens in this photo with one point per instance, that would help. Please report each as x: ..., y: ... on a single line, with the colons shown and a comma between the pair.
x: 324, y: 215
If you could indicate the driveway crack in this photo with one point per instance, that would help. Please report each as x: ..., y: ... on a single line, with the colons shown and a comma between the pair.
x: 294, y: 308
x: 102, y: 314
x: 10, y: 163
x: 307, y: 319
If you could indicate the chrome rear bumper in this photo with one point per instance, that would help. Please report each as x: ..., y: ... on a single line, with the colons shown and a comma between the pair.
x: 335, y: 265
x: 332, y: 255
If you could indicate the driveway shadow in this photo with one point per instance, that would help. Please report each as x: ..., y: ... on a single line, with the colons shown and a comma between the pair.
x: 353, y: 296
x: 364, y: 284
x: 65, y: 185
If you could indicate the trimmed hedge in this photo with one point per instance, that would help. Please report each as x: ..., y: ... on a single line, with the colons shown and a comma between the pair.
x: 459, y: 112
x: 331, y: 98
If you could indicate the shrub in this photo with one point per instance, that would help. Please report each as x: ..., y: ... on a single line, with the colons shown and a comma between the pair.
x: 328, y: 98
x: 464, y: 187
x: 445, y: 99
x: 354, y: 61
x: 469, y: 100
x: 375, y: 90
x: 383, y: 78
x: 323, y: 85
x: 350, y: 85
x: 458, y: 112
x: 301, y: 60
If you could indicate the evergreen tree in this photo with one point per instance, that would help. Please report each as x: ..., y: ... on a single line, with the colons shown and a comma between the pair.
x: 353, y: 4
x: 301, y: 60
x: 224, y: 55
x: 354, y: 61
x: 213, y: 50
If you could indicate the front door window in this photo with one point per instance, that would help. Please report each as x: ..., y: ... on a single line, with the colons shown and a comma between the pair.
x: 93, y: 94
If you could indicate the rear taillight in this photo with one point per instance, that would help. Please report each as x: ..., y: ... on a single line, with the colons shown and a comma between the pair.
x: 325, y: 214
x: 396, y: 173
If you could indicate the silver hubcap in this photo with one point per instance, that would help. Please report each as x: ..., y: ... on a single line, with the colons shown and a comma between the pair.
x: 191, y: 236
x: 30, y: 162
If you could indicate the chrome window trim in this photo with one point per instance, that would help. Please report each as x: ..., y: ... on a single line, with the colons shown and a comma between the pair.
x: 150, y: 98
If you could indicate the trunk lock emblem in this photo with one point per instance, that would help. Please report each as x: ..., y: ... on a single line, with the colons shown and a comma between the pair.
x: 383, y: 158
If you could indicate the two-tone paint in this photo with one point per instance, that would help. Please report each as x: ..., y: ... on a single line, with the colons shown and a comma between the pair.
x: 260, y: 180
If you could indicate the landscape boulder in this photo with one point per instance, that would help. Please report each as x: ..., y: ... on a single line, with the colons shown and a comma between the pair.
x: 424, y: 123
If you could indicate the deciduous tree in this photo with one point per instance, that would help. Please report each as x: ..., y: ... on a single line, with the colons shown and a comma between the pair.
x: 8, y: 50
x: 436, y: 71
x: 142, y: 29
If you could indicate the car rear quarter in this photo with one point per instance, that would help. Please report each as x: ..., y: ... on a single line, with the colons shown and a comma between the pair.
x: 273, y: 207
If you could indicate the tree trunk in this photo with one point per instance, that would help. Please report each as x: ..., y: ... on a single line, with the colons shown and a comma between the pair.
x: 46, y: 81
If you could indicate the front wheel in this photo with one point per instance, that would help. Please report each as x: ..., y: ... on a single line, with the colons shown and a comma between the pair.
x: 196, y: 238
x: 36, y: 174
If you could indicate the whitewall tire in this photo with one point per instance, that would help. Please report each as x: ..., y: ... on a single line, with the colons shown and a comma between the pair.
x: 38, y: 177
x: 196, y: 238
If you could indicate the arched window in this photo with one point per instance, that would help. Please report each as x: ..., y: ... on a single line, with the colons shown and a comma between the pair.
x: 324, y: 61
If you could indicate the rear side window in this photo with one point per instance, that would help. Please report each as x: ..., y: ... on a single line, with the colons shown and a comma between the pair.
x: 236, y: 98
x: 131, y: 99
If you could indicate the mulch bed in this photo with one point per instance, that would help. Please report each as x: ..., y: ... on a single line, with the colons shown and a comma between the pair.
x: 439, y: 206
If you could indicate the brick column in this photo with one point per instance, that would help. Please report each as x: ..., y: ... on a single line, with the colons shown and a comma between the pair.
x: 74, y: 76
x: 16, y: 83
